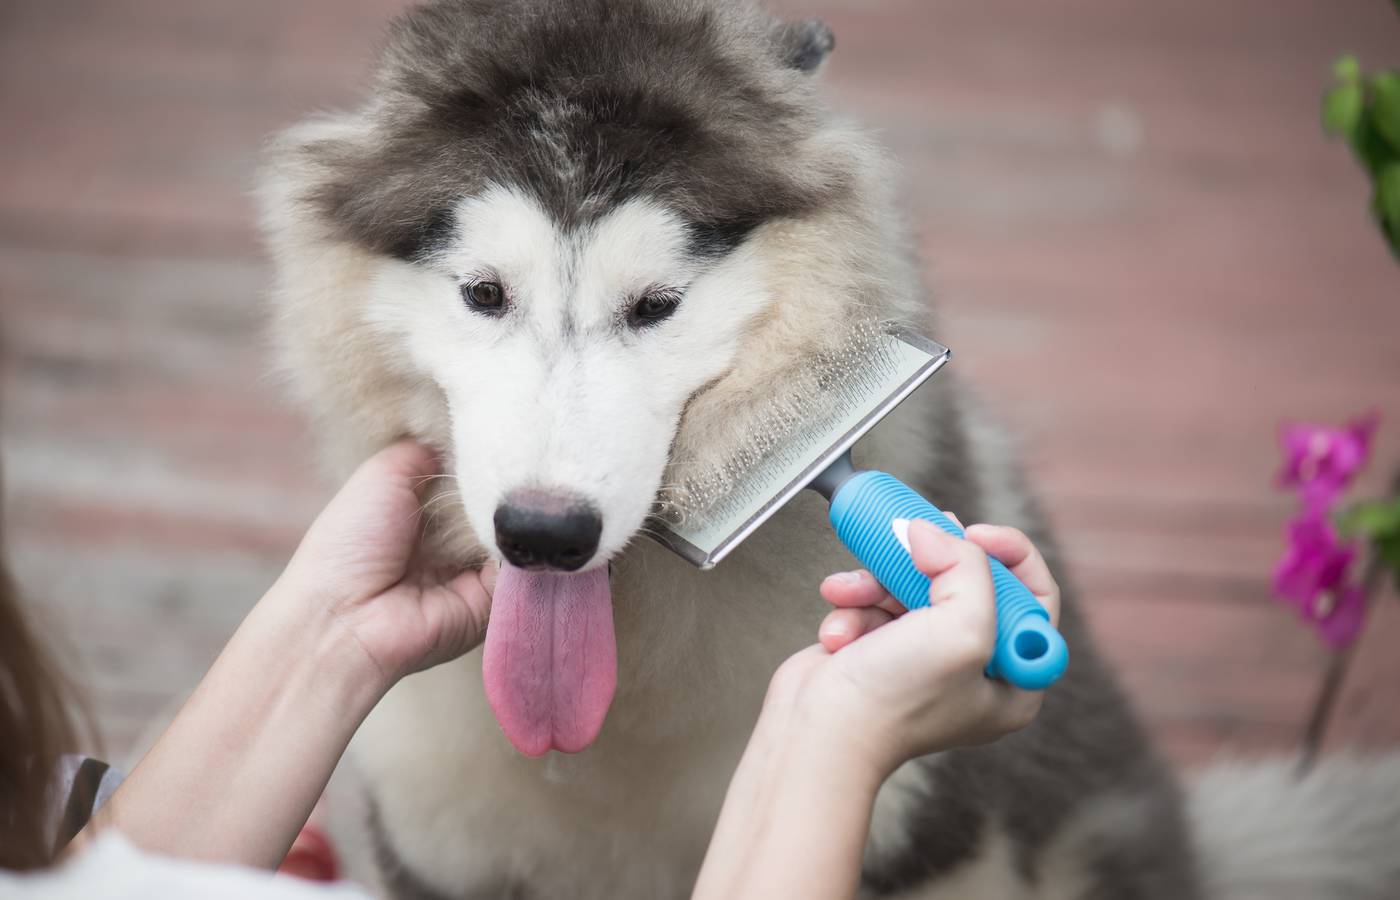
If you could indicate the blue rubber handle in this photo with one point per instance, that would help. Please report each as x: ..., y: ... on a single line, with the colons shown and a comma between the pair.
x: 1029, y: 652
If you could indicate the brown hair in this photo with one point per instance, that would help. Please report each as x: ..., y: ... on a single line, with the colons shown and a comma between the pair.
x: 35, y: 729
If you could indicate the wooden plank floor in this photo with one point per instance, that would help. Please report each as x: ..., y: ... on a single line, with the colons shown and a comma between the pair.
x: 1145, y: 254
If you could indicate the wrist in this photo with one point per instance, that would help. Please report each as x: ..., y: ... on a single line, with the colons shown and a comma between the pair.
x: 825, y: 746
x: 308, y: 632
x: 797, y: 815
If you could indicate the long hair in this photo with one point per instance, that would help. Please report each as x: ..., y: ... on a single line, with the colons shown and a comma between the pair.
x: 35, y: 729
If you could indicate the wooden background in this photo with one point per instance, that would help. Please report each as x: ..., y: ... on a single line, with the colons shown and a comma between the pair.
x: 1146, y: 253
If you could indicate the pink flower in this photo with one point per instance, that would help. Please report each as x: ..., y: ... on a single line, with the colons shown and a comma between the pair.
x: 1321, y: 460
x: 1338, y: 615
x: 1315, y: 560
x: 1311, y: 576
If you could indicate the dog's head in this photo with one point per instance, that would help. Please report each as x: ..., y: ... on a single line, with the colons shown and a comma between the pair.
x: 567, y: 242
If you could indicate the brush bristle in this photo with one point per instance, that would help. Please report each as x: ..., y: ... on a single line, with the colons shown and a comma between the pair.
x: 823, y: 389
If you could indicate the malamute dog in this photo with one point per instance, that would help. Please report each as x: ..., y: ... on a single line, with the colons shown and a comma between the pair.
x: 572, y: 244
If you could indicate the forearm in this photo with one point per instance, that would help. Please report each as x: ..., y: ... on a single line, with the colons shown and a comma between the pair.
x: 236, y: 775
x: 795, y: 819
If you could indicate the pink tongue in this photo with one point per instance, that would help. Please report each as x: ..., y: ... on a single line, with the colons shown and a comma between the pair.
x: 550, y: 661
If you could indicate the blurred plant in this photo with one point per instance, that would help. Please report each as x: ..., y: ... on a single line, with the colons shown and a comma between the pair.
x: 1365, y: 110
x: 1378, y: 521
x: 1320, y: 462
x: 1314, y: 575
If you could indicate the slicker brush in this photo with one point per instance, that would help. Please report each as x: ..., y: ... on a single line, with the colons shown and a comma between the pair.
x: 811, y: 421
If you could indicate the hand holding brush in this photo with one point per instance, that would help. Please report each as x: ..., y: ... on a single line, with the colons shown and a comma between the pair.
x: 884, y: 685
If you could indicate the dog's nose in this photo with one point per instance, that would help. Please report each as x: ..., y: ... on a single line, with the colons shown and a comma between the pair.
x: 547, y: 528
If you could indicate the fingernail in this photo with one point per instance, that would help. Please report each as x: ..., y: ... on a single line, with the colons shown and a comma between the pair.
x: 928, y: 529
x: 844, y: 577
x: 900, y: 527
x: 936, y: 545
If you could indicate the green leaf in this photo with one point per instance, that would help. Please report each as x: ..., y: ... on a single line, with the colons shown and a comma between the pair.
x: 1389, y: 552
x: 1392, y: 237
x: 1346, y: 69
x: 1342, y: 108
x: 1385, y: 107
x: 1379, y: 522
x: 1373, y: 519
x: 1388, y: 194
x: 1370, y: 148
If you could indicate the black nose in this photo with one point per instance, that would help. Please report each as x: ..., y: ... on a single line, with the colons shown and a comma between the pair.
x: 543, y: 528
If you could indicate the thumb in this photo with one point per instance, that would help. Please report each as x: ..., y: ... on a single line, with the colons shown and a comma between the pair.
x: 385, y: 483
x: 458, y: 611
x: 370, y: 527
x: 960, y: 579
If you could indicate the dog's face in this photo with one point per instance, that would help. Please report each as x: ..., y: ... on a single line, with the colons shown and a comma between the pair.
x: 552, y: 215
x: 566, y: 355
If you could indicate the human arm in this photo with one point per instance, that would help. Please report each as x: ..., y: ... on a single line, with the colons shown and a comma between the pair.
x: 237, y: 773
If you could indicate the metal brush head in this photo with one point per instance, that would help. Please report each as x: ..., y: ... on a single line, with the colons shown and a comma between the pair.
x: 827, y: 405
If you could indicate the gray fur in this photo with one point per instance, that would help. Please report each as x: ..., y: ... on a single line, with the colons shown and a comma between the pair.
x: 806, y: 44
x: 586, y: 102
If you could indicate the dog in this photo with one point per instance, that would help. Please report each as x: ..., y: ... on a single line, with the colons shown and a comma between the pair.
x: 572, y: 244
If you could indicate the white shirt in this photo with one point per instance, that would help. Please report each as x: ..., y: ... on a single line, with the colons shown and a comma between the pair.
x: 114, y: 869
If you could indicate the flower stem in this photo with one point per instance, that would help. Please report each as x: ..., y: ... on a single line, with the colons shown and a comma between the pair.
x: 1332, y: 681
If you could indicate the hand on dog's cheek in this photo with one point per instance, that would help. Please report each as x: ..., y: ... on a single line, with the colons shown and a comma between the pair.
x: 346, y: 620
x: 356, y: 563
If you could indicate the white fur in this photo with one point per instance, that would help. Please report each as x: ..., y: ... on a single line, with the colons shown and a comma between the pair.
x: 558, y: 391
x: 1263, y: 832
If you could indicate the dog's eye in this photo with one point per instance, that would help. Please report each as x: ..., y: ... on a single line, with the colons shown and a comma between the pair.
x: 653, y: 308
x: 484, y: 296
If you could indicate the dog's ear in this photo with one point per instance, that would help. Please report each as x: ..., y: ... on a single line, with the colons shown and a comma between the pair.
x: 804, y: 45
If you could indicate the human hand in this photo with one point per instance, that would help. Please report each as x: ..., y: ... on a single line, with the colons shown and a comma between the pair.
x: 886, y: 684
x: 357, y: 563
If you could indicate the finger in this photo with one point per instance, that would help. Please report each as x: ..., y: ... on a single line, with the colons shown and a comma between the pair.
x: 960, y: 581
x: 856, y: 589
x: 993, y: 710
x: 488, y: 576
x: 384, y: 483
x: 953, y: 516
x: 842, y: 626
x: 1020, y: 555
x: 365, y: 536
x: 403, y: 461
x: 932, y: 549
x: 398, y: 468
x: 1015, y: 708
x: 467, y: 607
x: 1016, y: 552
